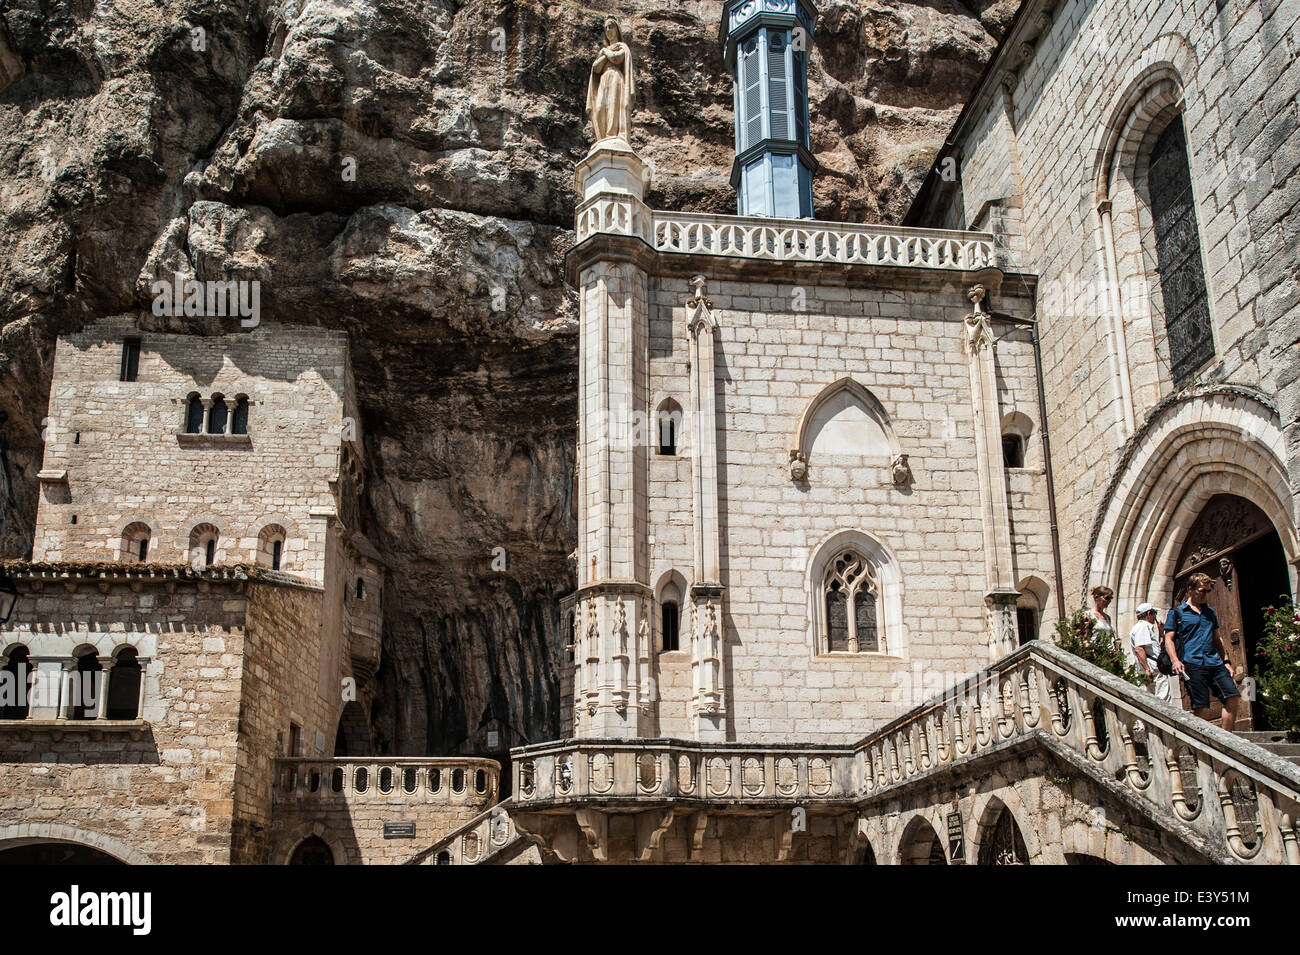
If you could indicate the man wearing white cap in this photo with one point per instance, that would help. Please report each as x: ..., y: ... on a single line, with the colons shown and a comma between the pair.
x: 1144, y: 650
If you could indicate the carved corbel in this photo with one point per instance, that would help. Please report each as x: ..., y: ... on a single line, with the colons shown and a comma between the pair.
x: 798, y: 466
x: 901, y: 471
x: 783, y: 834
x: 650, y: 829
x: 595, y: 828
x: 696, y: 826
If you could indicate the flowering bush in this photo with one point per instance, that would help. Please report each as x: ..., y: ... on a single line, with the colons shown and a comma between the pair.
x: 1279, y: 669
x: 1079, y: 635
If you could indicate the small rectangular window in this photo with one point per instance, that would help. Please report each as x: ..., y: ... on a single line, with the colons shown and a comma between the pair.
x: 295, y: 739
x: 130, y: 359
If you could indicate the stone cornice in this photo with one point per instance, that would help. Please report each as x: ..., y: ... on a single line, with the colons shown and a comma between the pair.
x: 39, y: 573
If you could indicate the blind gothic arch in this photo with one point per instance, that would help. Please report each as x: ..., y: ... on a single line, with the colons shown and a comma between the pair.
x: 845, y: 418
x: 855, y: 565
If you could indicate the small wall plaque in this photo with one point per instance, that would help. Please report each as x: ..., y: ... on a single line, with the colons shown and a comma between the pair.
x: 494, y: 739
x: 956, y: 844
x: 399, y: 830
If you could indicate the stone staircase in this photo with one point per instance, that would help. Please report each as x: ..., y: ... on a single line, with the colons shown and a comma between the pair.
x: 490, y: 838
x: 1275, y: 742
x: 1223, y: 797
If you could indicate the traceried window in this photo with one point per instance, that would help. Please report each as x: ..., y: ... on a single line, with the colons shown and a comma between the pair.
x: 851, y: 590
x: 1178, y: 255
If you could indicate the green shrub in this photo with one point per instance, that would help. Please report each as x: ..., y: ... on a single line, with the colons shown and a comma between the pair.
x: 1079, y: 635
x: 1279, y: 670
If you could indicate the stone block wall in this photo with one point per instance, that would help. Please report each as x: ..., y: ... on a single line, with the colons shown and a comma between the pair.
x: 1235, y: 63
x: 163, y: 789
x: 126, y: 460
x: 779, y: 345
x: 289, y: 660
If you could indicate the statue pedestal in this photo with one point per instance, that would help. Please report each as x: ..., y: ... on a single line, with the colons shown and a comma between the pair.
x: 611, y: 185
x: 611, y: 167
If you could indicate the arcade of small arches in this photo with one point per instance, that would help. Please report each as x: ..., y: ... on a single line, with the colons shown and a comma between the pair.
x: 203, y: 545
x: 83, y: 686
x: 216, y: 415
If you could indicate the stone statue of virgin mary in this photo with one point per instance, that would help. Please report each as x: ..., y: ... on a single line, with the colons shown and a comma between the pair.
x: 610, y: 88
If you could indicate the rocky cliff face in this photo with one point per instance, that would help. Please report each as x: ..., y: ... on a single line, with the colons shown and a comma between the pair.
x: 403, y: 169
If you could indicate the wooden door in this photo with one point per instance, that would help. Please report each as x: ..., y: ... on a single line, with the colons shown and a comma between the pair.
x: 1226, y: 526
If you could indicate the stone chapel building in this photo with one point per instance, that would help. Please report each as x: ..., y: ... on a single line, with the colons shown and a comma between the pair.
x: 835, y: 484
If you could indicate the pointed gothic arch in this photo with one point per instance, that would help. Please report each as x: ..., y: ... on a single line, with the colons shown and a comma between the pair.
x: 845, y: 418
x: 1219, y: 440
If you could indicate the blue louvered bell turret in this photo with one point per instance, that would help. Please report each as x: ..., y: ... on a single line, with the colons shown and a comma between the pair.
x: 766, y: 46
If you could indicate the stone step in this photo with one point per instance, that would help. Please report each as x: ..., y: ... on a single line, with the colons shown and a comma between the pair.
x: 1275, y: 742
x: 1260, y: 737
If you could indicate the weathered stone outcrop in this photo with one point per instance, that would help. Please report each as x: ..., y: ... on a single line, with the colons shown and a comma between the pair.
x: 403, y: 170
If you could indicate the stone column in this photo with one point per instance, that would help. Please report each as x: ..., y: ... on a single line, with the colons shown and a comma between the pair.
x: 46, y: 689
x: 1000, y: 599
x: 707, y: 645
x: 613, y: 556
x: 101, y: 692
x: 1119, y: 337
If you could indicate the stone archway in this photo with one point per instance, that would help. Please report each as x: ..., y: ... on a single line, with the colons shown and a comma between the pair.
x: 1211, y: 441
x: 1001, y: 842
x: 920, y: 844
x: 38, y: 833
x: 1235, y: 544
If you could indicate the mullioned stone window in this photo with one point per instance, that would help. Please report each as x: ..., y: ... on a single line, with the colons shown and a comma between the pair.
x: 83, y: 687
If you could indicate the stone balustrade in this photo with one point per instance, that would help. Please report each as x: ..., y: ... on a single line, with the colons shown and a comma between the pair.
x: 393, y: 780
x: 784, y: 240
x: 652, y: 770
x: 1232, y: 800
x: 1240, y: 802
x: 477, y: 842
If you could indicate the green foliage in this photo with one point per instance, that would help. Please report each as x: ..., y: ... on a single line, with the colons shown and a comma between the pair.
x: 1079, y: 635
x: 1279, y: 672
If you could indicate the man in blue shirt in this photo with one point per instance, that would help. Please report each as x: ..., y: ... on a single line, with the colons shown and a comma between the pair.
x: 1194, y: 629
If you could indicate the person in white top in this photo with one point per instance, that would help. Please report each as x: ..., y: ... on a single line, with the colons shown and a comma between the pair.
x: 1101, y: 598
x: 1144, y: 649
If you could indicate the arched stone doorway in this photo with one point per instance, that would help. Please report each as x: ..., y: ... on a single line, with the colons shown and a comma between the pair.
x: 312, y: 851
x: 353, y: 735
x: 921, y: 845
x: 56, y: 853
x: 1002, y: 843
x: 1196, y: 446
x: 1236, y: 545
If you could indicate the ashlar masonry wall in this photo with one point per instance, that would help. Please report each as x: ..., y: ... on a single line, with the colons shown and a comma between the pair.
x: 1095, y: 71
x: 779, y: 344
x: 116, y: 452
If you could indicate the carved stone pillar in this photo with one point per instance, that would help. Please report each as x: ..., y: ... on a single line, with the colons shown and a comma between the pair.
x: 980, y: 347
x: 613, y: 553
x: 101, y: 690
x: 708, y: 703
